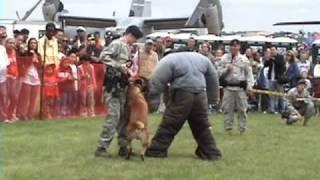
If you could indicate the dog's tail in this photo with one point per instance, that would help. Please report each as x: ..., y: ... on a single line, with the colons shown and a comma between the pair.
x: 139, y: 125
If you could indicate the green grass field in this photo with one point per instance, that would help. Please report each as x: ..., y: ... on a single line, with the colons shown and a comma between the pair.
x: 63, y: 150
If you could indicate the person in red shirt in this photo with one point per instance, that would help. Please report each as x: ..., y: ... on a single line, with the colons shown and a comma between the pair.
x: 66, y: 86
x: 12, y: 80
x: 88, y: 85
x: 29, y: 73
x: 50, y: 91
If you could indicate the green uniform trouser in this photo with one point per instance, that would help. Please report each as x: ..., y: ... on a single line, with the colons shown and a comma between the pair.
x: 235, y: 101
x: 116, y: 120
x: 307, y: 110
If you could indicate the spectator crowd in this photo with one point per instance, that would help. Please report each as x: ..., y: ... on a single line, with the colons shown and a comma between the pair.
x: 60, y: 77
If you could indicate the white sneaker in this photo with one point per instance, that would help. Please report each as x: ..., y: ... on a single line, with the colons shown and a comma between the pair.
x: 7, y: 121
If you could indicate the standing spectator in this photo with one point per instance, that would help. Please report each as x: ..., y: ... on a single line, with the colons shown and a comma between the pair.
x: 256, y: 63
x: 249, y: 55
x: 206, y: 51
x: 60, y: 35
x: 263, y: 81
x: 218, y: 56
x: 308, y: 85
x: 66, y: 85
x: 168, y: 42
x: 97, y: 37
x: 110, y: 36
x: 4, y: 62
x: 61, y: 53
x: 145, y: 62
x: 75, y: 75
x: 192, y: 45
x: 16, y: 33
x: 30, y: 90
x: 304, y: 64
x: 21, y: 47
x: 25, y: 32
x: 90, y: 49
x: 293, y: 72
x: 316, y: 83
x: 236, y: 73
x: 88, y: 85
x: 50, y: 91
x: 12, y: 80
x: 277, y: 69
x: 159, y: 47
x: 80, y: 40
x: 48, y: 46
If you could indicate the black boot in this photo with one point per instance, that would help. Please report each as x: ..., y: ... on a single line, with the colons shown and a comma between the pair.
x: 123, y: 152
x: 156, y: 154
x: 202, y: 156
x: 100, y: 152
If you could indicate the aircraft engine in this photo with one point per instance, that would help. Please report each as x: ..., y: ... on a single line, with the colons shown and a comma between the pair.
x: 207, y: 14
x: 50, y: 9
x: 210, y: 19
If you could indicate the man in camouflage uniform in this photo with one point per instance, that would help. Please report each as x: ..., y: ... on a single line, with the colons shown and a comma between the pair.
x: 116, y: 58
x: 237, y: 79
x: 300, y: 106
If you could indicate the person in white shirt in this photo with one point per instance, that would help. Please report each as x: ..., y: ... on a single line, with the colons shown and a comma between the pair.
x: 316, y: 69
x: 304, y: 63
x: 4, y: 62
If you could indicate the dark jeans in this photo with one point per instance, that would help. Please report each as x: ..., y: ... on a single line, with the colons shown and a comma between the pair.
x: 264, y: 102
x: 185, y: 106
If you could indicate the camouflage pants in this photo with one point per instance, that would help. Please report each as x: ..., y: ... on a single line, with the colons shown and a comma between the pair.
x: 235, y: 101
x: 116, y: 120
x: 306, y: 110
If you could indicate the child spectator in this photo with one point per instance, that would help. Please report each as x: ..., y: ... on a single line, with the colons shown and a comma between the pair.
x: 66, y: 85
x: 12, y: 80
x: 75, y: 74
x: 50, y: 91
x: 88, y: 85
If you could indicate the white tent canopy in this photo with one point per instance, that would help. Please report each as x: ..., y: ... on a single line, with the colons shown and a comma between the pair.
x: 283, y: 40
x: 256, y: 39
x: 160, y: 34
x: 184, y: 36
x: 208, y: 38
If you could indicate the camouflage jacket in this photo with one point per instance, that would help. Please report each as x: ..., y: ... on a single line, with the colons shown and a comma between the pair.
x: 116, y: 54
x: 296, y: 99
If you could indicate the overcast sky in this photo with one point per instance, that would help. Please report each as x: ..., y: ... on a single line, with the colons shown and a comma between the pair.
x: 238, y: 14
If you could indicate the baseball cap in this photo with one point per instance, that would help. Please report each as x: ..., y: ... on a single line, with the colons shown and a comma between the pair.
x: 81, y: 28
x: 91, y: 37
x: 149, y: 41
x: 301, y: 81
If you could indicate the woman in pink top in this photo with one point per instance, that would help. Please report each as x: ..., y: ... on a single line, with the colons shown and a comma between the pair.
x: 30, y: 90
